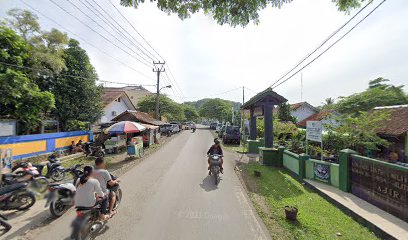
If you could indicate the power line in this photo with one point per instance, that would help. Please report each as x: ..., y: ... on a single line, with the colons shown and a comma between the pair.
x: 338, y: 40
x: 135, y: 29
x: 321, y: 44
x: 212, y: 95
x: 63, y: 9
x: 84, y: 40
x: 79, y: 9
x: 121, y: 32
x: 68, y: 75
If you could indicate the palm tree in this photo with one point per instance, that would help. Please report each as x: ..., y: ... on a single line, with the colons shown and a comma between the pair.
x: 328, y: 103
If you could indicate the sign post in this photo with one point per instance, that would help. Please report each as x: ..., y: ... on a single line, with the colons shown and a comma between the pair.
x: 314, y: 133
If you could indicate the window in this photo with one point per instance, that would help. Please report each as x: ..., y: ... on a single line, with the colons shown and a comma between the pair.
x: 118, y: 100
x: 114, y: 113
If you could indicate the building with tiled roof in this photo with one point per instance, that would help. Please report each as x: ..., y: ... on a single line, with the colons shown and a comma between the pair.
x: 115, y: 102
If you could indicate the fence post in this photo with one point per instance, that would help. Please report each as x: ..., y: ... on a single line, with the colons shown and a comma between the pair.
x: 345, y: 170
x: 302, y: 165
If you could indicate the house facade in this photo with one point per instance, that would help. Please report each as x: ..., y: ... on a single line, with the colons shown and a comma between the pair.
x: 115, y: 102
x: 135, y: 93
x: 302, y: 110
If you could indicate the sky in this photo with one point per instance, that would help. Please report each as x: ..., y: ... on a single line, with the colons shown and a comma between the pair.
x: 204, y: 59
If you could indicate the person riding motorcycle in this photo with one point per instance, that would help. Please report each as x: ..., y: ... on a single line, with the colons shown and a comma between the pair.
x: 107, y: 183
x: 215, y: 149
x: 88, y: 191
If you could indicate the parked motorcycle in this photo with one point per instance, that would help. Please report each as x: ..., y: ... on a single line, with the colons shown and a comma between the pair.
x: 4, y: 223
x: 16, y: 197
x: 54, y: 169
x: 75, y: 172
x: 93, y: 149
x: 215, y: 167
x: 60, y: 198
x: 26, y: 173
x: 87, y: 224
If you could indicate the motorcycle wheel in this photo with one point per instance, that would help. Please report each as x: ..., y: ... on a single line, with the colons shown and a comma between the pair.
x: 5, y: 224
x: 215, y: 178
x: 118, y: 198
x: 39, y: 185
x: 141, y: 153
x: 99, y: 154
x: 26, y: 198
x: 58, y: 175
x: 83, y: 232
x: 57, y: 208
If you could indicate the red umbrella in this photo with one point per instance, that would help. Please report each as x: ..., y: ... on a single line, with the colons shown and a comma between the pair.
x: 125, y: 127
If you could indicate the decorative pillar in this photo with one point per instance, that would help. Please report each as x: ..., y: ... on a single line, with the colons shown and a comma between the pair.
x: 252, y: 125
x: 268, y: 123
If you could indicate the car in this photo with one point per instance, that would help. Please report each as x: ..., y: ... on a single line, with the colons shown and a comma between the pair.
x: 175, y: 128
x: 231, y: 135
x: 186, y: 126
x: 213, y: 125
x: 178, y: 124
x: 166, y: 129
x: 221, y: 131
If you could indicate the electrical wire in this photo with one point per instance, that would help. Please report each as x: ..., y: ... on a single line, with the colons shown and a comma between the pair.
x: 85, y: 41
x: 327, y: 49
x: 321, y: 44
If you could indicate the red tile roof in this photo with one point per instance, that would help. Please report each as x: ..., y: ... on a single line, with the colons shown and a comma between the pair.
x: 397, y: 124
x: 138, y: 117
x: 315, y: 117
x: 296, y: 105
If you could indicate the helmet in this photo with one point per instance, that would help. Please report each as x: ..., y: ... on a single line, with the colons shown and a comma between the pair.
x: 216, y: 141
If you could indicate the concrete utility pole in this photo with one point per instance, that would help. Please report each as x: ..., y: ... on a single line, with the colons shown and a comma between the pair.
x: 158, y: 68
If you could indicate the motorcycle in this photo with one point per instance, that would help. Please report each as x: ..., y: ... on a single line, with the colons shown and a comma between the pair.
x: 60, y: 198
x: 193, y: 130
x: 87, y: 223
x: 215, y: 167
x: 75, y: 172
x: 92, y: 149
x: 16, y: 197
x: 4, y: 223
x: 26, y: 173
x: 54, y: 169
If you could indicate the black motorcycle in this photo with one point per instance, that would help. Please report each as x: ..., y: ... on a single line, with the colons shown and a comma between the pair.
x: 4, y: 223
x: 215, y: 167
x: 93, y: 149
x: 54, y: 169
x: 16, y: 197
x: 75, y: 172
x: 60, y: 198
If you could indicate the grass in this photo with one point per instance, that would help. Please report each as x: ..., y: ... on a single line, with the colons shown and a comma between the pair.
x: 317, y: 218
x: 235, y: 147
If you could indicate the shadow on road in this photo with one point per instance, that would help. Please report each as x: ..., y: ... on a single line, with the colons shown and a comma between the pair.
x: 208, y: 184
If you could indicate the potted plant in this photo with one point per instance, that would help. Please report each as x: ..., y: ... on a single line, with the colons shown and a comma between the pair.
x: 291, y: 213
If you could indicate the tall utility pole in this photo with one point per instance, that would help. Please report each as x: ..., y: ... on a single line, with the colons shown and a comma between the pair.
x: 158, y: 68
x: 242, y: 115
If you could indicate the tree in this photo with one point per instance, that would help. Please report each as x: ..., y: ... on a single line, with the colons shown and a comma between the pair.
x: 232, y: 12
x: 328, y: 103
x: 20, y: 97
x: 168, y: 108
x: 216, y: 109
x: 77, y: 97
x: 23, y: 22
x: 378, y: 94
x: 284, y: 113
x: 190, y: 112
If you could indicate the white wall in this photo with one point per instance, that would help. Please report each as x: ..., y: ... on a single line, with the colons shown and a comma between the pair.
x: 119, y: 107
x: 302, y: 113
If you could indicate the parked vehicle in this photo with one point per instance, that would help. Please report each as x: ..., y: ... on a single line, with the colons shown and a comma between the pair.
x: 75, y: 171
x: 175, y: 128
x: 166, y: 130
x: 94, y: 149
x: 231, y: 135
x: 215, y: 169
x: 114, y: 143
x: 4, y: 223
x: 54, y: 169
x: 213, y: 125
x: 221, y: 131
x: 186, y: 126
x: 26, y: 173
x: 218, y: 127
x: 180, y: 127
x: 60, y: 198
x: 16, y: 197
x: 87, y: 224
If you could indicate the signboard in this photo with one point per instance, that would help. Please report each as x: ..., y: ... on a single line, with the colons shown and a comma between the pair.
x: 383, y: 186
x: 6, y: 156
x: 258, y: 111
x: 314, y: 131
x: 321, y: 172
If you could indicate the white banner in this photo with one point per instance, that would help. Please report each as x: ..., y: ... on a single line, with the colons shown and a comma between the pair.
x: 314, y: 131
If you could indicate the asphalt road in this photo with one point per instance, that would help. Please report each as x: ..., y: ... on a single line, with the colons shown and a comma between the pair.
x: 170, y: 196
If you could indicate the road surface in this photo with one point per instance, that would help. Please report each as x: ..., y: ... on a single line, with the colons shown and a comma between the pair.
x: 170, y: 196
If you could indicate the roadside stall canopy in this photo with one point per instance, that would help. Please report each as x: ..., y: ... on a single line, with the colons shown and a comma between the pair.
x: 125, y: 127
x: 148, y: 126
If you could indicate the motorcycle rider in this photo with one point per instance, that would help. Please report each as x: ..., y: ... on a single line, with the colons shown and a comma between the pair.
x: 215, y: 149
x: 88, y: 191
x: 106, y: 183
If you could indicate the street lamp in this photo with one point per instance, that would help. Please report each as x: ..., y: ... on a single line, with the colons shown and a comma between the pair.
x: 157, y: 101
